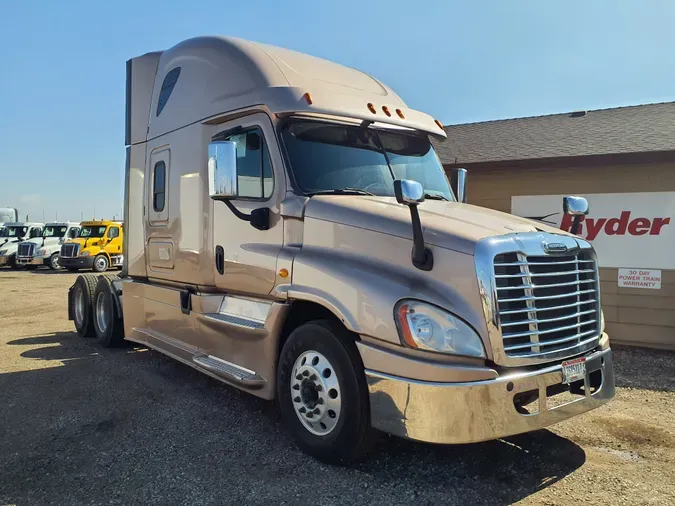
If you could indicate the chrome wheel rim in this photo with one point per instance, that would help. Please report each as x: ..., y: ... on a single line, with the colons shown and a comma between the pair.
x: 79, y: 306
x: 101, y: 263
x: 315, y: 393
x: 55, y: 262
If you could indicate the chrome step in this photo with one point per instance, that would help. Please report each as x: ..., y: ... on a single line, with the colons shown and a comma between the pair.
x: 229, y: 371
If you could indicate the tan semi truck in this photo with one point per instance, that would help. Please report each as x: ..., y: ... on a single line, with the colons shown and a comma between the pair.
x: 291, y: 232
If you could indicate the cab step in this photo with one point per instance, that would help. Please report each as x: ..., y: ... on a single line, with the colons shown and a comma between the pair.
x: 229, y: 371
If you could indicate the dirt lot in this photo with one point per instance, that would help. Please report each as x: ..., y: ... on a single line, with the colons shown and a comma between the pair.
x: 83, y: 425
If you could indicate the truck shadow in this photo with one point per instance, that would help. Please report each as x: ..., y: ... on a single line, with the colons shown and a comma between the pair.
x: 133, y: 411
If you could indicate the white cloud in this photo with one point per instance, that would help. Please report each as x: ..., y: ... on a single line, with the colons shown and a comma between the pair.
x: 30, y: 199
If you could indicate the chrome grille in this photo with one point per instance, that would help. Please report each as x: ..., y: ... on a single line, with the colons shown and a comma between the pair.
x: 70, y: 250
x: 547, y: 303
x: 25, y: 249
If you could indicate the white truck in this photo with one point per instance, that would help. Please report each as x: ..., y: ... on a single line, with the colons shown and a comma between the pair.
x: 13, y: 234
x: 45, y: 250
x: 291, y: 231
x: 8, y: 215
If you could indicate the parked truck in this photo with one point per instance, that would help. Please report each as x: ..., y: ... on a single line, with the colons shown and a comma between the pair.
x: 45, y: 250
x: 98, y: 246
x: 12, y: 235
x: 290, y: 231
x: 8, y: 215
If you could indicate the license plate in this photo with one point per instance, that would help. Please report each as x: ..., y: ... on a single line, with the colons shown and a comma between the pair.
x: 574, y: 370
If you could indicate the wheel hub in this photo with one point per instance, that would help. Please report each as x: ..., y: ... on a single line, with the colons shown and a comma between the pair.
x: 315, y: 393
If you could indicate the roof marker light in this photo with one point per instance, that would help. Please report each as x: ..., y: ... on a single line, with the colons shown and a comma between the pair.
x: 400, y: 113
x: 308, y: 98
x: 371, y: 108
x: 385, y: 109
x: 440, y: 125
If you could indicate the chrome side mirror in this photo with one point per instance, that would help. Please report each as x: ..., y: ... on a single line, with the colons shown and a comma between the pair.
x: 458, y: 184
x: 222, y: 170
x: 408, y: 192
x: 575, y: 206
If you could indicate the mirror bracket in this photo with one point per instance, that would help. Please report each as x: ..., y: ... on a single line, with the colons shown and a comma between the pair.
x: 411, y: 193
x: 259, y: 218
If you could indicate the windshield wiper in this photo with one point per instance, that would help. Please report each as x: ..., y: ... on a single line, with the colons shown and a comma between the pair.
x: 341, y: 191
x: 435, y: 196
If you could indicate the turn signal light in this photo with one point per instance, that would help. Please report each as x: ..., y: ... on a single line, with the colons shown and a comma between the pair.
x: 372, y: 109
x: 283, y: 273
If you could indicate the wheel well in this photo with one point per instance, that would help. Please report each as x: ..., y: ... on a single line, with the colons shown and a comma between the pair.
x: 302, y: 312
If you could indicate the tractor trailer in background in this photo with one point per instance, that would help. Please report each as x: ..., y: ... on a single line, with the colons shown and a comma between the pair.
x: 8, y: 214
x: 289, y: 230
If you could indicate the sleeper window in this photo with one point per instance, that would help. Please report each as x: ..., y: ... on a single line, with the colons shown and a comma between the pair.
x: 254, y: 168
x: 159, y: 187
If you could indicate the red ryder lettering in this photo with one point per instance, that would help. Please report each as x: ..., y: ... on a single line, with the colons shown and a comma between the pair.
x: 590, y: 228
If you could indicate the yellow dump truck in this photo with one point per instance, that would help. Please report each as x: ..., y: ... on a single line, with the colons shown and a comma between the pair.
x: 98, y: 246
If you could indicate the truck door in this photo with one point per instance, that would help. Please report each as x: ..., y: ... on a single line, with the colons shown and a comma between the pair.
x: 244, y: 258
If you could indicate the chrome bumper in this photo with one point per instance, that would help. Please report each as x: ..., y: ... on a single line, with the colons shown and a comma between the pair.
x: 481, y: 410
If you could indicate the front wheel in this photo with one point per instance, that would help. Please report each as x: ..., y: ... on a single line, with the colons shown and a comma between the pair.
x: 101, y: 263
x: 322, y: 393
x: 54, y: 262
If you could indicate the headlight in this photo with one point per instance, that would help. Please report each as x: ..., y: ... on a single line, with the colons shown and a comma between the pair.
x: 428, y: 327
x: 84, y: 254
x: 3, y: 251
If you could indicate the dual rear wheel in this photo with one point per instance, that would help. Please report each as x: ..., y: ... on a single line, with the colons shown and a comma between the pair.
x: 95, y: 311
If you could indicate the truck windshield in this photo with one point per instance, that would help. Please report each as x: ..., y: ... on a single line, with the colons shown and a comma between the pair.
x: 54, y: 231
x: 330, y: 156
x: 92, y: 232
x: 14, y: 231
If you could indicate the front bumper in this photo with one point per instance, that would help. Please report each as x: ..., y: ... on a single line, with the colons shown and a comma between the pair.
x: 77, y: 262
x: 32, y: 260
x: 483, y: 410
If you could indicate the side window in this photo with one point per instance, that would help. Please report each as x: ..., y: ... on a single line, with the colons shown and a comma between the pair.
x: 254, y: 168
x: 73, y: 232
x: 167, y: 87
x: 113, y: 232
x: 158, y: 187
x: 35, y: 232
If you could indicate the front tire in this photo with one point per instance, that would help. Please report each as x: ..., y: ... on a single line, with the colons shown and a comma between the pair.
x: 54, y: 262
x: 322, y: 393
x: 101, y: 263
x: 107, y: 321
x: 83, y: 297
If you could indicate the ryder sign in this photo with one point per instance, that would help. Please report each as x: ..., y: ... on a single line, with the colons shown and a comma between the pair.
x: 626, y: 229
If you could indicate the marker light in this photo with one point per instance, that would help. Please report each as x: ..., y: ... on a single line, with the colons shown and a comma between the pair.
x: 385, y: 109
x: 308, y: 98
x: 371, y: 108
x: 400, y: 113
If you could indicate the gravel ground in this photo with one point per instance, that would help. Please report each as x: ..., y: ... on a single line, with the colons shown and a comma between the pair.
x: 84, y: 425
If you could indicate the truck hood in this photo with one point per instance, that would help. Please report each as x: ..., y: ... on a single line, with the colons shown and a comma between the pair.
x: 90, y: 241
x: 447, y: 225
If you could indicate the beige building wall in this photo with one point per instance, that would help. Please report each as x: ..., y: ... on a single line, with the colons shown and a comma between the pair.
x: 633, y: 316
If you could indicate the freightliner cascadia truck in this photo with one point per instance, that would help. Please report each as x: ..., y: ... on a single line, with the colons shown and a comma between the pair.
x: 291, y: 231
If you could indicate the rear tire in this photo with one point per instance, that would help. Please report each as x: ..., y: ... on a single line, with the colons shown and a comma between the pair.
x: 83, y: 297
x: 329, y: 346
x: 107, y: 321
x: 53, y: 263
x: 101, y: 263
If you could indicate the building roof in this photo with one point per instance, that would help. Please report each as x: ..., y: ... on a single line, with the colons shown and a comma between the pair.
x: 633, y: 129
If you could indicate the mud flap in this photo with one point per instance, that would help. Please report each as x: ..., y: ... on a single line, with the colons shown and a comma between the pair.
x: 70, y: 303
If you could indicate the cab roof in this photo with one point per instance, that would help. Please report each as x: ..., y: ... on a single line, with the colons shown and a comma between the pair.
x: 22, y: 224
x: 219, y: 75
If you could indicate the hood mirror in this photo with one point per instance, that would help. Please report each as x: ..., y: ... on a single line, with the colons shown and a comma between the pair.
x: 577, y: 207
x: 222, y: 170
x: 458, y: 184
x: 411, y: 193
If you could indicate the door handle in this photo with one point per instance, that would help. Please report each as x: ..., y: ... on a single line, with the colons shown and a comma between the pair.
x: 220, y: 260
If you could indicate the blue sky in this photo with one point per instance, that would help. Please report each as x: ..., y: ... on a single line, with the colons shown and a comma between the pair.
x: 63, y: 64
